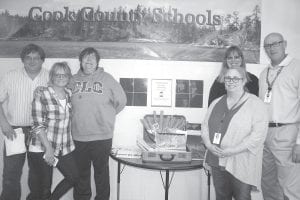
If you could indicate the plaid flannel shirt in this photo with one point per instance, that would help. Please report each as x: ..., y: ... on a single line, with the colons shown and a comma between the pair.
x: 49, y: 115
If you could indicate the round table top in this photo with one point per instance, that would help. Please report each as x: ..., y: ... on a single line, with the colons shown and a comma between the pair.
x: 137, y: 162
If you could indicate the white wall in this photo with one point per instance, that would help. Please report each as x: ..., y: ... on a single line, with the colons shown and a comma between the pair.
x: 277, y: 15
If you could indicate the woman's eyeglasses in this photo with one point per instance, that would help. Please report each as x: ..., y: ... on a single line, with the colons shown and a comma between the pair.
x: 61, y: 75
x: 230, y: 58
x: 234, y: 79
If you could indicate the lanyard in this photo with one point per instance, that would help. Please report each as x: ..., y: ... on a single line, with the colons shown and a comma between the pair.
x: 236, y: 103
x: 270, y: 85
x: 219, y: 135
x: 232, y: 108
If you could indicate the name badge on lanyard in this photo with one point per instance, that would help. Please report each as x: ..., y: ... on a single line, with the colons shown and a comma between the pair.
x: 217, y: 138
x: 268, y: 96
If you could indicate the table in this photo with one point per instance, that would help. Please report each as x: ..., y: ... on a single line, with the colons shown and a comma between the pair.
x: 167, y: 167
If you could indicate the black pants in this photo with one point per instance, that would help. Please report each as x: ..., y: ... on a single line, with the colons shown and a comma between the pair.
x: 227, y: 186
x: 66, y: 165
x: 96, y: 153
x: 12, y: 171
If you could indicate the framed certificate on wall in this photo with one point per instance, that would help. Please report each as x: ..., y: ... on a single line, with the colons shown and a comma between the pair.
x: 161, y: 92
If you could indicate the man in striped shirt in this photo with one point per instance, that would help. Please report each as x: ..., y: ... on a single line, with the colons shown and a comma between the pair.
x: 16, y: 93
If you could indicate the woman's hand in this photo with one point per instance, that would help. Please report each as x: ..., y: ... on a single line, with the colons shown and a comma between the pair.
x: 227, y: 152
x: 214, y: 150
x: 49, y: 157
x: 38, y: 91
x: 221, y: 153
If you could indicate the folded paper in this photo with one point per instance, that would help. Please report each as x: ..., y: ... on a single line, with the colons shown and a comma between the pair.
x: 17, y: 145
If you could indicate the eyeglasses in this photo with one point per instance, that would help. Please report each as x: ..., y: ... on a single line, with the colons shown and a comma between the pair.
x: 233, y: 58
x: 234, y: 79
x: 34, y: 59
x: 61, y: 75
x: 274, y: 44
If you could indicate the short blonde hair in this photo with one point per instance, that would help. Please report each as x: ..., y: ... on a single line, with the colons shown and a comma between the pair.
x: 55, y: 67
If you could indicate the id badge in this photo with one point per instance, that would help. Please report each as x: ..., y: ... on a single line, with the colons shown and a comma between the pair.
x: 268, y: 97
x: 217, y: 138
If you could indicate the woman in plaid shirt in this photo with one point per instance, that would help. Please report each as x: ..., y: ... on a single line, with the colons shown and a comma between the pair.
x: 52, y: 140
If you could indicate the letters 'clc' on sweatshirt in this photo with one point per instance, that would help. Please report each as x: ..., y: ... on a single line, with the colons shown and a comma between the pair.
x: 96, y: 99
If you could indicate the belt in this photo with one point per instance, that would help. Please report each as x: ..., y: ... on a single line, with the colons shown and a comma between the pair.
x: 273, y: 124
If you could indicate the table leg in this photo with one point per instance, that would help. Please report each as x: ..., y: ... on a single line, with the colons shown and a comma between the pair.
x: 167, y: 185
x: 208, y: 185
x: 118, y: 180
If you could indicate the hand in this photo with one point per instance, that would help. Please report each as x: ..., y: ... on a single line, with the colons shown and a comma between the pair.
x: 296, y: 153
x: 49, y: 157
x: 214, y: 150
x: 227, y: 152
x: 8, y: 131
x: 38, y: 91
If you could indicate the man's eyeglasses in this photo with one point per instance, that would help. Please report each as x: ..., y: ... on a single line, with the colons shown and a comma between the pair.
x: 61, y: 75
x: 34, y: 59
x: 234, y: 79
x: 274, y: 44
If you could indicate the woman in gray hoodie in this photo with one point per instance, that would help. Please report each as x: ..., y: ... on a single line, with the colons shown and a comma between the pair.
x: 96, y: 100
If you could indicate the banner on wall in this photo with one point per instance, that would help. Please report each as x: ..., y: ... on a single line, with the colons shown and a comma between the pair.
x: 133, y: 29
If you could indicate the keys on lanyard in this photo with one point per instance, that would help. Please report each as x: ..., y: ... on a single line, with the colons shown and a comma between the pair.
x: 268, y: 95
x: 217, y: 138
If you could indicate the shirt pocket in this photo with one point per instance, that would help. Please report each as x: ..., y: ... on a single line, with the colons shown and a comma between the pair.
x: 54, y: 112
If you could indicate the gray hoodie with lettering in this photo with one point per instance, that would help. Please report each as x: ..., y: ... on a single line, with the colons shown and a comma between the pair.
x: 96, y: 100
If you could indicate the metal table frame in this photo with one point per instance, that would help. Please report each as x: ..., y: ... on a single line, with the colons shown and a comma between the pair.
x: 167, y: 167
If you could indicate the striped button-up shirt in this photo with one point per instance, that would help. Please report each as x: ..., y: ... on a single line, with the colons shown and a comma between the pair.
x: 55, y: 119
x: 16, y: 92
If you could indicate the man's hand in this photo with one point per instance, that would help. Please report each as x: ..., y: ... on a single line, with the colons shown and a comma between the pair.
x: 296, y: 153
x: 9, y: 132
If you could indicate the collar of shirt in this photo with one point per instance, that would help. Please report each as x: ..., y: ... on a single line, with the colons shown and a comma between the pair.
x: 286, y: 61
x: 43, y: 70
x: 68, y: 94
x: 68, y: 91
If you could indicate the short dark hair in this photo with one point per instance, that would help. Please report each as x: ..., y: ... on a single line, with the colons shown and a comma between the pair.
x: 88, y: 51
x: 32, y: 48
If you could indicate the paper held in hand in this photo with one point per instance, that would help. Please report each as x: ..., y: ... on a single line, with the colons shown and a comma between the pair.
x: 16, y: 146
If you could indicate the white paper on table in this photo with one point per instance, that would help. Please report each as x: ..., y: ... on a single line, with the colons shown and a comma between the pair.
x: 17, y: 145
